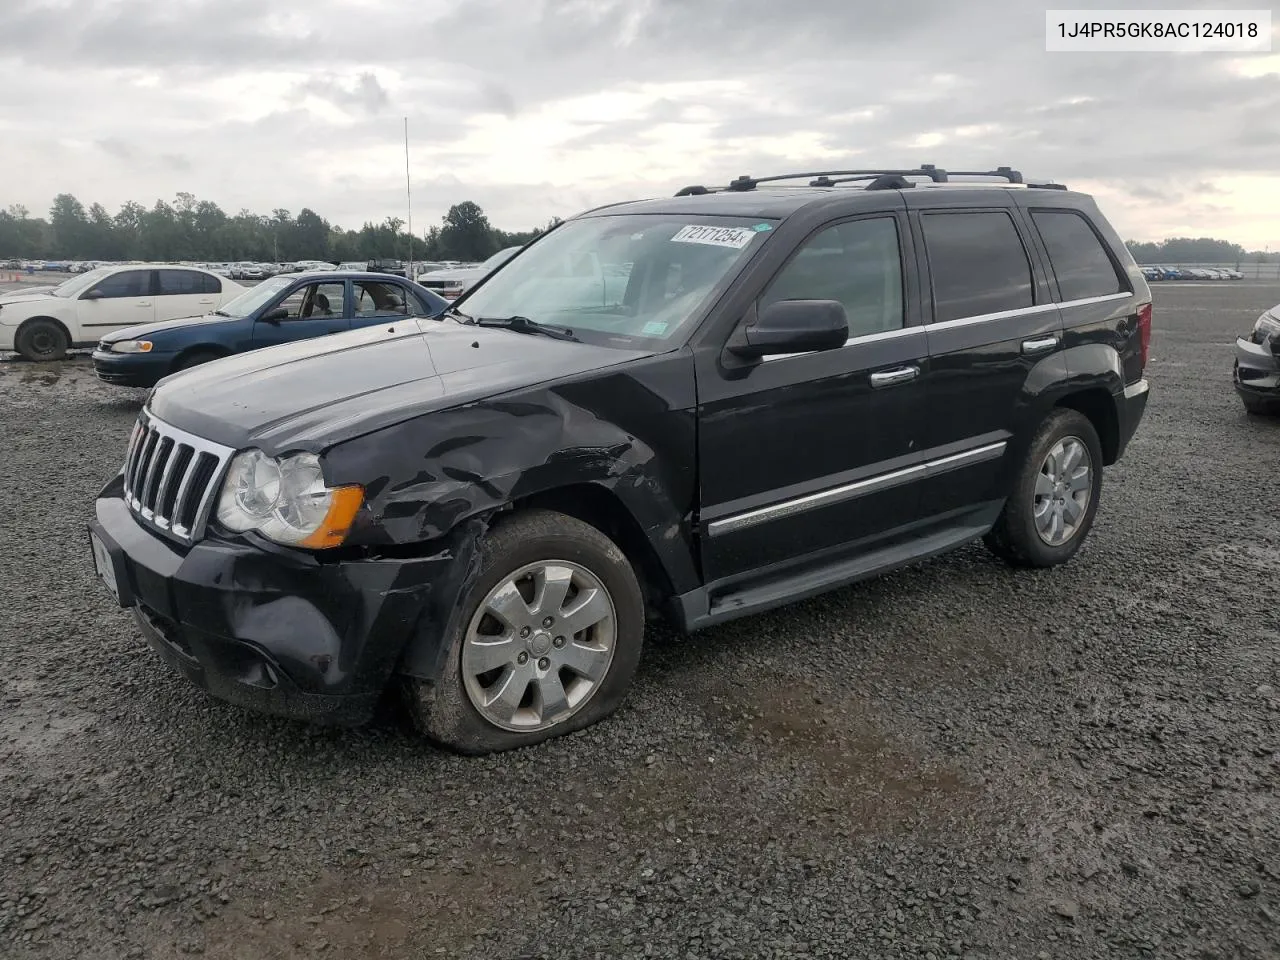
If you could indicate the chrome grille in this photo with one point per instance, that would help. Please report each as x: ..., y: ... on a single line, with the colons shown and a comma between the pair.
x: 171, y: 478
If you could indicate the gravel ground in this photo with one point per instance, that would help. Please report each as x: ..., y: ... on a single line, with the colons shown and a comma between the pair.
x: 954, y: 760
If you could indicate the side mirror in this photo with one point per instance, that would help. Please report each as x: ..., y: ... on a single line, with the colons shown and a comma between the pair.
x: 92, y: 295
x: 275, y: 315
x: 792, y: 326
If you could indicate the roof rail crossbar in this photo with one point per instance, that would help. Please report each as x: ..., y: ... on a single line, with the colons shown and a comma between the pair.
x: 882, y: 179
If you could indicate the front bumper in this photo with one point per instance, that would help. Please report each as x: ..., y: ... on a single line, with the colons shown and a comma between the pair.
x: 1256, y: 372
x: 131, y: 369
x: 275, y: 632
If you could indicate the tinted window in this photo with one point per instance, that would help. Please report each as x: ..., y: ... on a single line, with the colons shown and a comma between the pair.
x: 186, y: 283
x: 857, y: 263
x: 978, y: 264
x: 1079, y: 260
x: 130, y: 283
x: 380, y: 300
x: 314, y: 301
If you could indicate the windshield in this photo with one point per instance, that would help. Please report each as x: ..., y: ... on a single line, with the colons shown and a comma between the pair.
x: 254, y: 297
x: 501, y: 257
x: 620, y: 280
x: 80, y: 283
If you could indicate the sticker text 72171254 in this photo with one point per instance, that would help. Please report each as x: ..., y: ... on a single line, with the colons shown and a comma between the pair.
x: 735, y: 237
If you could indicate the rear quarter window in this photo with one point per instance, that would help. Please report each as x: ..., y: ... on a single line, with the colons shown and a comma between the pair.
x: 1076, y: 253
x: 978, y: 264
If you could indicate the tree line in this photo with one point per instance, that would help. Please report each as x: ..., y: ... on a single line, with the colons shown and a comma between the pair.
x: 199, y: 230
x: 191, y: 229
x: 1197, y: 250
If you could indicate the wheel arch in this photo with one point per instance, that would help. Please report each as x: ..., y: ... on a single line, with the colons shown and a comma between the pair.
x: 210, y: 348
x: 602, y: 508
x: 1098, y: 406
x: 66, y: 331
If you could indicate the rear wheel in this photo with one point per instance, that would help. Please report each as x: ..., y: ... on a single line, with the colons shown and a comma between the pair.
x: 1055, y: 494
x: 545, y: 641
x: 42, y: 340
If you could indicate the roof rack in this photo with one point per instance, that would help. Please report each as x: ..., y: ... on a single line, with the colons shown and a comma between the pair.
x: 879, y: 179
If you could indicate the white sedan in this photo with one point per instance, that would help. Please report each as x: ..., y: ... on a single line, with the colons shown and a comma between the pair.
x: 44, y: 325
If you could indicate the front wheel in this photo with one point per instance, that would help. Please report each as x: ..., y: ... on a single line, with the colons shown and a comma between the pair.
x: 195, y: 359
x: 42, y: 341
x: 1055, y: 494
x: 545, y: 641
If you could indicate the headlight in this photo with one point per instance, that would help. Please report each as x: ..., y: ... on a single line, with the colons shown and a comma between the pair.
x: 286, y: 500
x: 1267, y: 328
x: 130, y: 346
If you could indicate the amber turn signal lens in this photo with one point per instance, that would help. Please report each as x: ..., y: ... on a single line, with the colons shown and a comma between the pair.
x: 333, y: 530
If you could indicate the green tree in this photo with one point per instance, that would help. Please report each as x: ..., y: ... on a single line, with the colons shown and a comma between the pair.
x: 70, y: 227
x: 466, y: 233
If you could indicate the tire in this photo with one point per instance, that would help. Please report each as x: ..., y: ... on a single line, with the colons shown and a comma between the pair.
x: 1259, y: 407
x: 449, y: 711
x: 195, y: 358
x: 1016, y: 537
x: 42, y: 341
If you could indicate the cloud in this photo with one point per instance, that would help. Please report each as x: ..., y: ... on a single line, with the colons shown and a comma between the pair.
x: 544, y: 107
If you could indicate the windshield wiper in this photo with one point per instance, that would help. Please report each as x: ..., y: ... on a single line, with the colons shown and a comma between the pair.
x: 452, y: 311
x: 221, y: 313
x: 525, y: 325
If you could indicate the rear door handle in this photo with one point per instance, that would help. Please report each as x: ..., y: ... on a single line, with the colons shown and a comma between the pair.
x: 1040, y: 345
x: 889, y: 378
x: 144, y: 303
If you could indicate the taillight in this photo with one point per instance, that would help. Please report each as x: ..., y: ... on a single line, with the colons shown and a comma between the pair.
x: 1144, y: 333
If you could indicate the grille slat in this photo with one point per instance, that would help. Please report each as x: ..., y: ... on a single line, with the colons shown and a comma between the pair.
x: 159, y: 455
x: 140, y: 464
x: 171, y: 478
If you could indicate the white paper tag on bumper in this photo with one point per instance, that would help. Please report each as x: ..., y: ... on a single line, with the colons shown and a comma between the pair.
x: 736, y: 237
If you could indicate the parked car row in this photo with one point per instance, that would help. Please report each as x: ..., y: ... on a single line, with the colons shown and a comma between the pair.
x: 1191, y: 273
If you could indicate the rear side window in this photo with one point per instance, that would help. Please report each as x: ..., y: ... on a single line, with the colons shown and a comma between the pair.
x: 179, y: 283
x: 978, y: 263
x: 858, y: 263
x: 380, y: 300
x: 1079, y: 259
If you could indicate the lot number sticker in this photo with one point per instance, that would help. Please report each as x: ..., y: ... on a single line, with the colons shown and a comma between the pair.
x: 735, y: 237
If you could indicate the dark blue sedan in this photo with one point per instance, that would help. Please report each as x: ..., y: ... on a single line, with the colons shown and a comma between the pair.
x: 279, y: 310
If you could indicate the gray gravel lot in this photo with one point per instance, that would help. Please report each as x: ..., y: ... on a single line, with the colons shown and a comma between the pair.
x: 954, y: 760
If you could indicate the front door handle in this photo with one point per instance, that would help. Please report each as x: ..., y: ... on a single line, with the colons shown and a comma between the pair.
x: 1040, y: 345
x: 144, y: 303
x: 889, y: 378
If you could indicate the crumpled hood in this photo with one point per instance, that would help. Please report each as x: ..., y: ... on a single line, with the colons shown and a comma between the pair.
x: 315, y: 393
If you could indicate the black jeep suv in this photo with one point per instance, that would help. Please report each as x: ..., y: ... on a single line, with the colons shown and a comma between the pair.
x: 696, y: 407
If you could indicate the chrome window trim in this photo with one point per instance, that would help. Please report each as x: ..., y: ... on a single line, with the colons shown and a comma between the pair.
x: 963, y: 322
x: 858, y: 488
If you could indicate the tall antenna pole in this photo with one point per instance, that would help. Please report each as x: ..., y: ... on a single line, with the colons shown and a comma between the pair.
x: 408, y: 268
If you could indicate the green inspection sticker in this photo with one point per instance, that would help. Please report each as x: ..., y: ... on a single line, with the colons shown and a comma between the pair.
x: 761, y: 227
x: 655, y: 328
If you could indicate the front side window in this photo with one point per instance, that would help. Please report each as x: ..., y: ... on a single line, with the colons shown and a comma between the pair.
x: 128, y: 283
x: 374, y: 299
x: 859, y: 264
x: 314, y: 301
x: 978, y: 263
x: 1077, y: 256
x: 620, y: 280
x: 253, y: 298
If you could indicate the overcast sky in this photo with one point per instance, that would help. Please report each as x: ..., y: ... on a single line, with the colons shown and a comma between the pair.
x: 538, y: 108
